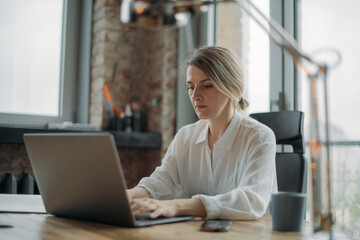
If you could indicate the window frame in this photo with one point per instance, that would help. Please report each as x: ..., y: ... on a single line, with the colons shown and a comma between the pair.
x: 284, y: 76
x: 75, y: 48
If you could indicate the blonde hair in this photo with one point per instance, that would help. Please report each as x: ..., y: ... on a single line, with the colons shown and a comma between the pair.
x: 221, y: 66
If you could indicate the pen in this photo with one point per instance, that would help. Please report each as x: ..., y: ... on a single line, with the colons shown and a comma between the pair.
x: 108, y: 101
x: 109, y: 109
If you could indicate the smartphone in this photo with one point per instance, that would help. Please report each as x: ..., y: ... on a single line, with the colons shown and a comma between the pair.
x: 215, y: 226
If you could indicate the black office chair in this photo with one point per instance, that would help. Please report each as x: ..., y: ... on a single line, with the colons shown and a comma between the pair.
x: 291, y: 167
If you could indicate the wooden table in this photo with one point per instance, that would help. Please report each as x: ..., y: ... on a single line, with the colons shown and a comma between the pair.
x: 43, y: 226
x: 17, y: 223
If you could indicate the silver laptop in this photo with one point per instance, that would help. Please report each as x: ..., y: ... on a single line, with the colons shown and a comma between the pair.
x: 79, y: 176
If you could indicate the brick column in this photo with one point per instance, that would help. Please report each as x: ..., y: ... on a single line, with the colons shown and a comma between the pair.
x: 137, y: 65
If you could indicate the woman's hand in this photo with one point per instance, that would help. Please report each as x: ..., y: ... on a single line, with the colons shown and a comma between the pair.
x: 157, y: 207
x: 168, y: 208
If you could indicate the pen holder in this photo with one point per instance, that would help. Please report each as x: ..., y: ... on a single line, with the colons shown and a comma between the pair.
x: 117, y: 124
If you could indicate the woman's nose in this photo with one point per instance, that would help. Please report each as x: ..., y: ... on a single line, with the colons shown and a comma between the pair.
x: 196, y: 94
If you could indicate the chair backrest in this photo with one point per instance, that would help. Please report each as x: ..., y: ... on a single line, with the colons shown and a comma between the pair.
x: 291, y: 167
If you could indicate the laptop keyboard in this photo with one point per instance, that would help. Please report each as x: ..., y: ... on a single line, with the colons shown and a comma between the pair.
x: 146, y: 216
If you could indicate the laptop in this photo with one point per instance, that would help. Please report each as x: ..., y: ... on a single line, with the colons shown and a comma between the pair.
x: 79, y: 175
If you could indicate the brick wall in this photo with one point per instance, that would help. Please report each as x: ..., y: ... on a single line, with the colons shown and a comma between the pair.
x: 14, y: 159
x: 137, y: 65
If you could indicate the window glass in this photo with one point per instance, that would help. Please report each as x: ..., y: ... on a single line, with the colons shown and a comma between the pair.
x: 330, y: 24
x: 30, y: 60
x: 235, y: 30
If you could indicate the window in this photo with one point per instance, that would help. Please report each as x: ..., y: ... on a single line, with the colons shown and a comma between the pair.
x: 235, y: 30
x: 31, y: 60
x: 329, y: 24
x: 38, y: 61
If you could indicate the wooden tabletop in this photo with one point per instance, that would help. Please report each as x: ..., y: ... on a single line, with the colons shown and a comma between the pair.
x: 43, y: 226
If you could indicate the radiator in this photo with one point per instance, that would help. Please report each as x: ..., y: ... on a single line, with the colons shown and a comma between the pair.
x: 22, y: 184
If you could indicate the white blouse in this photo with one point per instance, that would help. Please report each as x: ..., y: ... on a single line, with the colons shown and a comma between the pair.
x: 237, y: 185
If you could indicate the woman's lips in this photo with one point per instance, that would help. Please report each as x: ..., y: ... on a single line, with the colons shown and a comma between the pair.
x: 199, y: 107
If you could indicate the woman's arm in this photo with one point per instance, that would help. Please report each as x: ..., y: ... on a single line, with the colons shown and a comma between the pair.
x: 137, y: 192
x: 164, y: 182
x: 168, y: 208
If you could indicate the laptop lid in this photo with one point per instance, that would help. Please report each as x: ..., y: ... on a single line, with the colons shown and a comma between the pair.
x: 79, y: 176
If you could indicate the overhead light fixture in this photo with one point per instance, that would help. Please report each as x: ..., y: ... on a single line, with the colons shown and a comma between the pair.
x: 159, y: 14
x: 170, y: 13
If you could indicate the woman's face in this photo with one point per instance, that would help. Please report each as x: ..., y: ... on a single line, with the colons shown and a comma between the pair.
x: 207, y: 100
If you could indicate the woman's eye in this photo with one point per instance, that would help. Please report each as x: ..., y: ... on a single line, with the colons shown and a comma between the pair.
x: 208, y: 86
x: 190, y: 88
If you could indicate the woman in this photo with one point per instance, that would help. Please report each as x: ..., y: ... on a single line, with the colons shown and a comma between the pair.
x: 222, y: 166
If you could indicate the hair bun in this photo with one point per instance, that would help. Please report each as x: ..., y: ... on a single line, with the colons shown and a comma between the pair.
x: 243, y: 103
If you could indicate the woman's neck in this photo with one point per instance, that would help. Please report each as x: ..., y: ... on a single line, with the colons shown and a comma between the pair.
x: 218, y: 126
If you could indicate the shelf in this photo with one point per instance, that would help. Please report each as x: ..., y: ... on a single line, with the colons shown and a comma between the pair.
x: 14, y: 135
x: 137, y: 139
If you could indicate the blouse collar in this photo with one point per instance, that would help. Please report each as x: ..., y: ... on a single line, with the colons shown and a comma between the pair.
x: 230, y: 133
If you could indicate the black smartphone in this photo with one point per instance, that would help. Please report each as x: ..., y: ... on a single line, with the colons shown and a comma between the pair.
x: 215, y: 226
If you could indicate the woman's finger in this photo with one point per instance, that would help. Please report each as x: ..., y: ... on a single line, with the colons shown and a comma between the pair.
x: 138, y: 207
x: 156, y: 213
